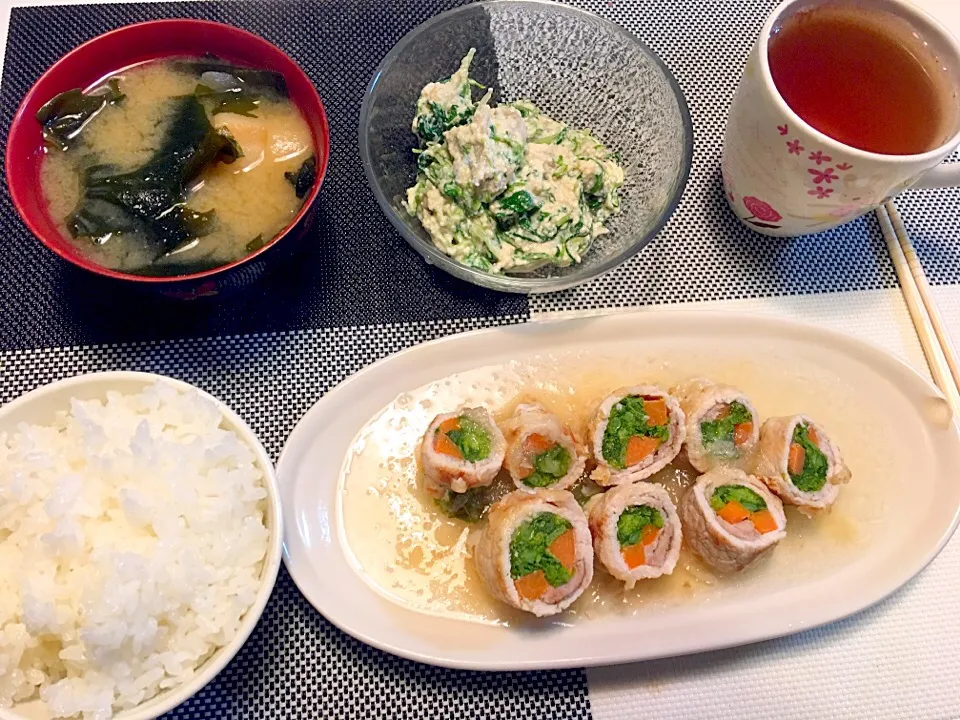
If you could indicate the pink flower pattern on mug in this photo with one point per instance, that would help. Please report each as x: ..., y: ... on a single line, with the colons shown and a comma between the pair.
x: 820, y: 192
x: 818, y: 157
x: 825, y: 176
x: 761, y: 213
x: 843, y: 166
x: 794, y: 147
x: 782, y: 129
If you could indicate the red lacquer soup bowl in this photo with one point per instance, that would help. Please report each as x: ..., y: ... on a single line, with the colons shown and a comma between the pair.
x: 131, y: 45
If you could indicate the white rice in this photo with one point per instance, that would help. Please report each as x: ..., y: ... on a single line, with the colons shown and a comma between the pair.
x: 131, y: 544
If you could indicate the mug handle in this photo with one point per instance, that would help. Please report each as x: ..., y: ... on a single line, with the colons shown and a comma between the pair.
x: 946, y: 174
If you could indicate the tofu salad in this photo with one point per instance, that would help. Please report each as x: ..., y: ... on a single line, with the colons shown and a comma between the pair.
x: 507, y: 189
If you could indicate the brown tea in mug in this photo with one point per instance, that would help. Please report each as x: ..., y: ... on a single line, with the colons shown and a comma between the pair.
x: 862, y: 77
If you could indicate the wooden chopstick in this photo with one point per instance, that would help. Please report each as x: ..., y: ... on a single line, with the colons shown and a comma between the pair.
x: 923, y: 287
x: 936, y: 345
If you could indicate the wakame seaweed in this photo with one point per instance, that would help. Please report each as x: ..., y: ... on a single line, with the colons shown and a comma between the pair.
x: 469, y: 506
x: 64, y: 116
x: 257, y: 81
x: 235, y: 100
x: 303, y: 179
x: 152, y: 198
x: 227, y: 88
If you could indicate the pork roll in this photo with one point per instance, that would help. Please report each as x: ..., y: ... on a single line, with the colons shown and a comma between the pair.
x: 460, y: 451
x: 800, y: 463
x: 636, y: 531
x: 542, y: 452
x: 722, y: 425
x: 730, y: 519
x: 535, y: 553
x: 635, y: 432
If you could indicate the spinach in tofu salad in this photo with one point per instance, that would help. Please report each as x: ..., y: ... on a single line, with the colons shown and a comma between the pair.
x: 507, y: 188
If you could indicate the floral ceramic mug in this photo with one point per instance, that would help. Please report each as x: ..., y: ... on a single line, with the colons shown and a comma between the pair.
x: 783, y: 177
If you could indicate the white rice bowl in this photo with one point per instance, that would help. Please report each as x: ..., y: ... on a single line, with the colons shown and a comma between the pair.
x: 140, y: 538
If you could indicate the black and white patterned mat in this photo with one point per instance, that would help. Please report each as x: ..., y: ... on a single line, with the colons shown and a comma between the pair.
x: 360, y: 293
x: 354, y: 270
x: 296, y: 664
x: 357, y: 270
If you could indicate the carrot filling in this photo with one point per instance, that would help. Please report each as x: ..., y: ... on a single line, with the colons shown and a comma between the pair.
x: 445, y: 446
x: 733, y: 513
x: 535, y: 443
x: 543, y: 554
x: 735, y: 503
x: 796, y: 458
x: 806, y: 462
x: 462, y: 438
x: 634, y: 556
x: 638, y: 527
x: 639, y: 448
x: 532, y: 586
x: 564, y: 549
x: 656, y: 409
x: 729, y: 431
x: 763, y: 521
x: 449, y: 425
x: 742, y: 433
x: 636, y: 427
x: 545, y: 461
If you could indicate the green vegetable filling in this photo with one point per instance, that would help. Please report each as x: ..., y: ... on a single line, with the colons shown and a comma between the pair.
x: 628, y: 418
x: 548, y: 467
x: 471, y: 438
x: 814, y: 473
x: 717, y: 435
x: 633, y: 520
x: 747, y: 498
x: 530, y: 548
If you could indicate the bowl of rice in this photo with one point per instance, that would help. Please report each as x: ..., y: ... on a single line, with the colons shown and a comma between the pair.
x: 140, y: 539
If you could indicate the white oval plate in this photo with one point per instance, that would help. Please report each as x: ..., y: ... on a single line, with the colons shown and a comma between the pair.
x: 922, y: 496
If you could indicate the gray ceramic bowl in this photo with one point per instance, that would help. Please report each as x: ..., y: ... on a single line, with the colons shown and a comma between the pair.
x: 578, y: 68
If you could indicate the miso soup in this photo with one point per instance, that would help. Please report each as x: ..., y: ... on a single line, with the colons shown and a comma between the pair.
x: 176, y: 166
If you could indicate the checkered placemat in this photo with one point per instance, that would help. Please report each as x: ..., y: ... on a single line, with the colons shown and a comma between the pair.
x: 273, y: 350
